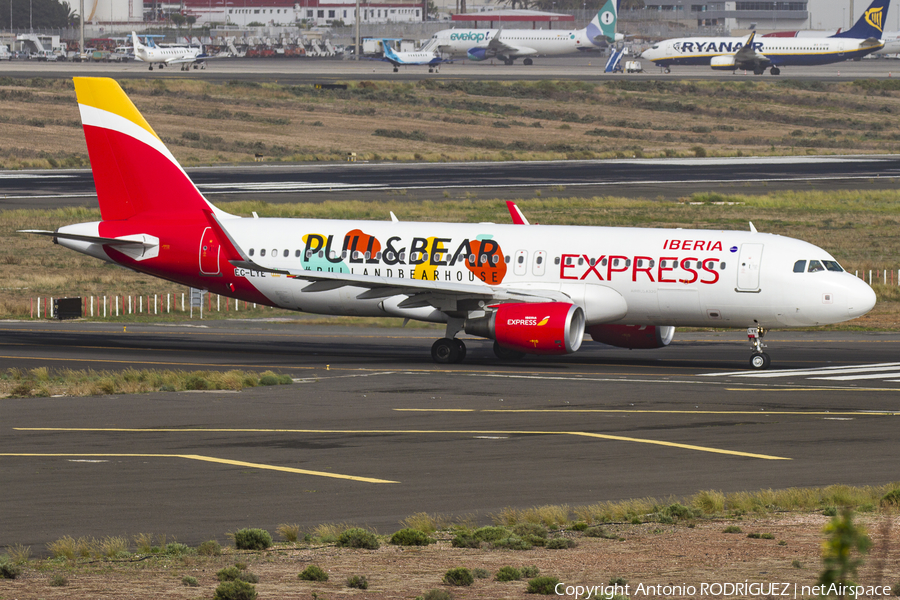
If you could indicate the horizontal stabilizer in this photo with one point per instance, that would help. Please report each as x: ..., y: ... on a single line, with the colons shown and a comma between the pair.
x: 87, y: 238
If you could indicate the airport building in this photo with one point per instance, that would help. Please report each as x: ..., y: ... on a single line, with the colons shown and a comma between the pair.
x: 288, y: 12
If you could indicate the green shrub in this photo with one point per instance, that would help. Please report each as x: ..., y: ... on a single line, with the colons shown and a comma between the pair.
x: 680, y: 511
x: 268, y: 380
x: 530, y: 571
x: 534, y: 540
x: 465, y: 540
x: 459, y: 576
x: 437, y: 595
x: 798, y: 565
x: 892, y: 498
x: 511, y: 542
x: 560, y: 543
x: 767, y: 536
x: 830, y: 511
x: 313, y: 573
x: 490, y: 533
x: 252, y: 539
x: 410, y: 537
x: 896, y: 589
x: 579, y: 526
x: 59, y: 581
x: 526, y: 529
x: 732, y: 529
x: 229, y: 574
x: 177, y: 549
x: 753, y: 536
x: 358, y: 581
x: 8, y: 570
x: 357, y: 537
x: 508, y: 574
x: 542, y: 585
x: 621, y: 581
x: 481, y: 574
x: 235, y: 590
x: 209, y: 548
x: 189, y: 581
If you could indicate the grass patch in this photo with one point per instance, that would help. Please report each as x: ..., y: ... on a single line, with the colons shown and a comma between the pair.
x: 357, y: 537
x: 459, y: 576
x: 252, y: 539
x: 313, y: 573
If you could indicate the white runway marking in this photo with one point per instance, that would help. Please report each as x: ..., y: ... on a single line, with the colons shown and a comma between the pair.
x: 883, y: 371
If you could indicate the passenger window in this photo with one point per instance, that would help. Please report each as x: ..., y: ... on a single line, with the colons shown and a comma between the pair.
x: 580, y: 261
x: 521, y: 259
x: 799, y: 266
x: 274, y: 252
x: 539, y: 259
x: 603, y: 262
x: 721, y: 266
x: 815, y: 266
x: 296, y: 253
x: 251, y: 251
x: 262, y: 252
x: 287, y: 253
x: 506, y: 259
x: 556, y: 261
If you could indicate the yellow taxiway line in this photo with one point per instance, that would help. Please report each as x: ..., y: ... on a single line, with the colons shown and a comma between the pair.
x: 664, y: 412
x: 413, y: 431
x: 212, y: 459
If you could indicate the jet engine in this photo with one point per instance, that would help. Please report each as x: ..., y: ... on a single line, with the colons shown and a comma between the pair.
x: 538, y: 328
x: 477, y: 54
x: 723, y: 63
x: 632, y: 336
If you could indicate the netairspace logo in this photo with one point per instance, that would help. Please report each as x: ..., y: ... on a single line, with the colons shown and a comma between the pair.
x: 726, y: 590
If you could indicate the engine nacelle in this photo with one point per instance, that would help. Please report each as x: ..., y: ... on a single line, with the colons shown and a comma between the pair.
x: 538, y: 328
x: 632, y: 336
x: 723, y: 62
x: 477, y: 53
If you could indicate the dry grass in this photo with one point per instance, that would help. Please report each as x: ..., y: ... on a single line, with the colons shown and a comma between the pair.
x: 424, y: 522
x: 42, y: 382
x: 464, y: 120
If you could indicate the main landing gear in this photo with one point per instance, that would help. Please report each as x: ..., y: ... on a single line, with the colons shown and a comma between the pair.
x: 775, y: 71
x: 448, y: 349
x: 759, y: 360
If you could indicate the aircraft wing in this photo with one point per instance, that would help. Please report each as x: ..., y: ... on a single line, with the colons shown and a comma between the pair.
x: 182, y: 60
x: 748, y: 58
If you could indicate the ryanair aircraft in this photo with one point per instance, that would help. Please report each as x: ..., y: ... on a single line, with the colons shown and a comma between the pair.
x: 758, y: 54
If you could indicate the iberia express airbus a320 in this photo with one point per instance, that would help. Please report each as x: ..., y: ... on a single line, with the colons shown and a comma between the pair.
x: 532, y: 289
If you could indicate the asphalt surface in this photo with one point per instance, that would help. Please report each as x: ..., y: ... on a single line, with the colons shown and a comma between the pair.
x: 650, y: 178
x: 372, y: 431
x: 306, y: 71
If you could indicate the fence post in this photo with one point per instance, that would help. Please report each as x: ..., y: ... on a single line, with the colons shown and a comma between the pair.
x: 39, y: 307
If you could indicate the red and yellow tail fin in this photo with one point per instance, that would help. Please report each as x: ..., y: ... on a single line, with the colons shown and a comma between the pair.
x: 134, y: 172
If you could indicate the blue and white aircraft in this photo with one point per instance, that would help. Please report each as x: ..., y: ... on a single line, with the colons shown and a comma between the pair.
x: 431, y: 58
x: 757, y: 54
x: 510, y: 44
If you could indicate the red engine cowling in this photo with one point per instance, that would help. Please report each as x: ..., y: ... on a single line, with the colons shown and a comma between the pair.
x: 632, y: 336
x: 539, y: 328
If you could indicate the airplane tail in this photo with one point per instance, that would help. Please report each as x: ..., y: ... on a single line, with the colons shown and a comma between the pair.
x: 870, y: 24
x: 136, y: 41
x: 602, y: 27
x: 134, y: 172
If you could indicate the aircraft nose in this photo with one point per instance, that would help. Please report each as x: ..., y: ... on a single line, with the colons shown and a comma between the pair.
x: 860, y: 298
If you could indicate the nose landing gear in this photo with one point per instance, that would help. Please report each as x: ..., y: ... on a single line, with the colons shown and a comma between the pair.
x: 759, y: 360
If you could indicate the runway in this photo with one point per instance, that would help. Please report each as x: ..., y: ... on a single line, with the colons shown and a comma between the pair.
x: 306, y: 71
x: 372, y: 431
x: 650, y: 178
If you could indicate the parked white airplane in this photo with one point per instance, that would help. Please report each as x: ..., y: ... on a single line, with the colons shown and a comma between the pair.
x: 759, y: 53
x: 432, y: 59
x: 532, y: 289
x: 510, y: 44
x: 164, y: 57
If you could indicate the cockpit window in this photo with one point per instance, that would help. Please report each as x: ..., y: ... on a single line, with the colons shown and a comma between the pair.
x: 799, y: 266
x: 832, y: 265
x: 815, y: 266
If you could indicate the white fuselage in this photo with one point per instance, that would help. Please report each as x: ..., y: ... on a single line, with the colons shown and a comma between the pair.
x: 165, y: 55
x: 780, y: 51
x: 617, y: 275
x: 458, y: 42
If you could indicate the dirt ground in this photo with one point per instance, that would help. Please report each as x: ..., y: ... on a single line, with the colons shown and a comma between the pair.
x: 646, y: 556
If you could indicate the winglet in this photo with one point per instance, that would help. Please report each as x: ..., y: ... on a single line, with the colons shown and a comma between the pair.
x: 517, y: 217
